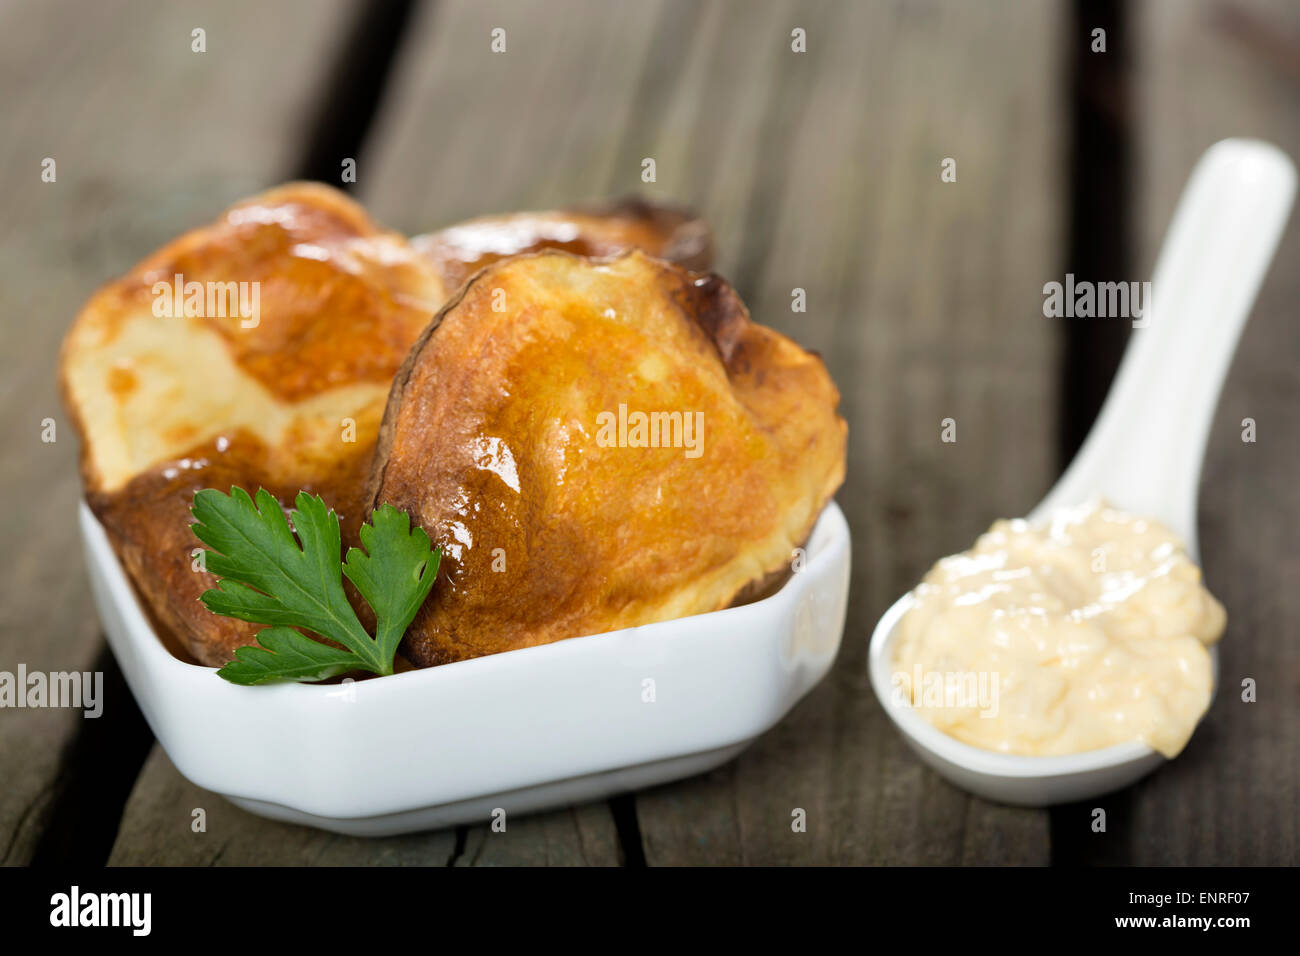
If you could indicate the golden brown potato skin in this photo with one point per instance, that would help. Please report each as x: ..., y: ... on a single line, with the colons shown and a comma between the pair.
x: 665, y: 232
x: 340, y: 302
x: 148, y: 521
x: 492, y: 441
x: 169, y: 405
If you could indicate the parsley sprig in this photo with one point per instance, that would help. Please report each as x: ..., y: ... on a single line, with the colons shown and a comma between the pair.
x: 270, y: 577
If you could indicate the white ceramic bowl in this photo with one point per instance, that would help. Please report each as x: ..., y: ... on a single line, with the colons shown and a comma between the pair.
x: 521, y: 731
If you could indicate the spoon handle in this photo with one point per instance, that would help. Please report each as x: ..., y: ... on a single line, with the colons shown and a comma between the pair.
x: 1144, y: 451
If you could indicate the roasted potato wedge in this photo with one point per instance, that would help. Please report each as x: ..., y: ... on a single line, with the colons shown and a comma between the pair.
x: 290, y: 398
x: 338, y: 300
x: 597, y: 445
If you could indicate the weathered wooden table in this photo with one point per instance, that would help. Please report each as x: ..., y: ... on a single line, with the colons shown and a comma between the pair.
x: 818, y: 170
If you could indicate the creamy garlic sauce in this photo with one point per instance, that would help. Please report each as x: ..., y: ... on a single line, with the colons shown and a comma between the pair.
x: 1086, y: 631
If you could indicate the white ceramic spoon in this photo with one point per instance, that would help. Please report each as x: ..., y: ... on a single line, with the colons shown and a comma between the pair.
x: 1144, y: 452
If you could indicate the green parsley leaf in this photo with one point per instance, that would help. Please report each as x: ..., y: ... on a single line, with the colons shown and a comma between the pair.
x: 395, y: 577
x: 269, y: 577
x: 286, y: 654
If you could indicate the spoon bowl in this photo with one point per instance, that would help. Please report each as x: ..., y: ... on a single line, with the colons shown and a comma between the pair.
x: 1144, y: 453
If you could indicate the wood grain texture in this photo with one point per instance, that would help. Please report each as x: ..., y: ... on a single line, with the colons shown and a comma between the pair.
x: 581, y: 836
x: 925, y: 299
x: 1211, y: 70
x: 821, y: 171
x: 818, y: 171
x: 171, y: 822
x: 553, y: 121
x: 149, y: 138
x: 159, y: 828
x: 465, y: 132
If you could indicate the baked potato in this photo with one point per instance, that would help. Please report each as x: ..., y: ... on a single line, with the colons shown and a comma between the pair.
x: 290, y: 395
x: 597, y: 445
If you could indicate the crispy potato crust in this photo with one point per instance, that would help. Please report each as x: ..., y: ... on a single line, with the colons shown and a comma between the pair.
x: 497, y: 439
x: 338, y: 304
x: 167, y: 405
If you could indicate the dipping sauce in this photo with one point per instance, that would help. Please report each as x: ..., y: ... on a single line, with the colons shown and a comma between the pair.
x: 1086, y: 631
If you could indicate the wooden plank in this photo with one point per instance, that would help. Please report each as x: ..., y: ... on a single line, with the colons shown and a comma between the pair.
x: 925, y: 299
x: 158, y: 828
x: 171, y: 822
x: 581, y: 836
x: 725, y: 119
x: 818, y: 170
x: 149, y: 139
x: 552, y: 121
x: 657, y: 89
x: 465, y: 131
x: 462, y: 132
x: 1211, y: 70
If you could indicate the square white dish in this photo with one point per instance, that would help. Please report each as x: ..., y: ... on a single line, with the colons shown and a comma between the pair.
x: 522, y: 731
